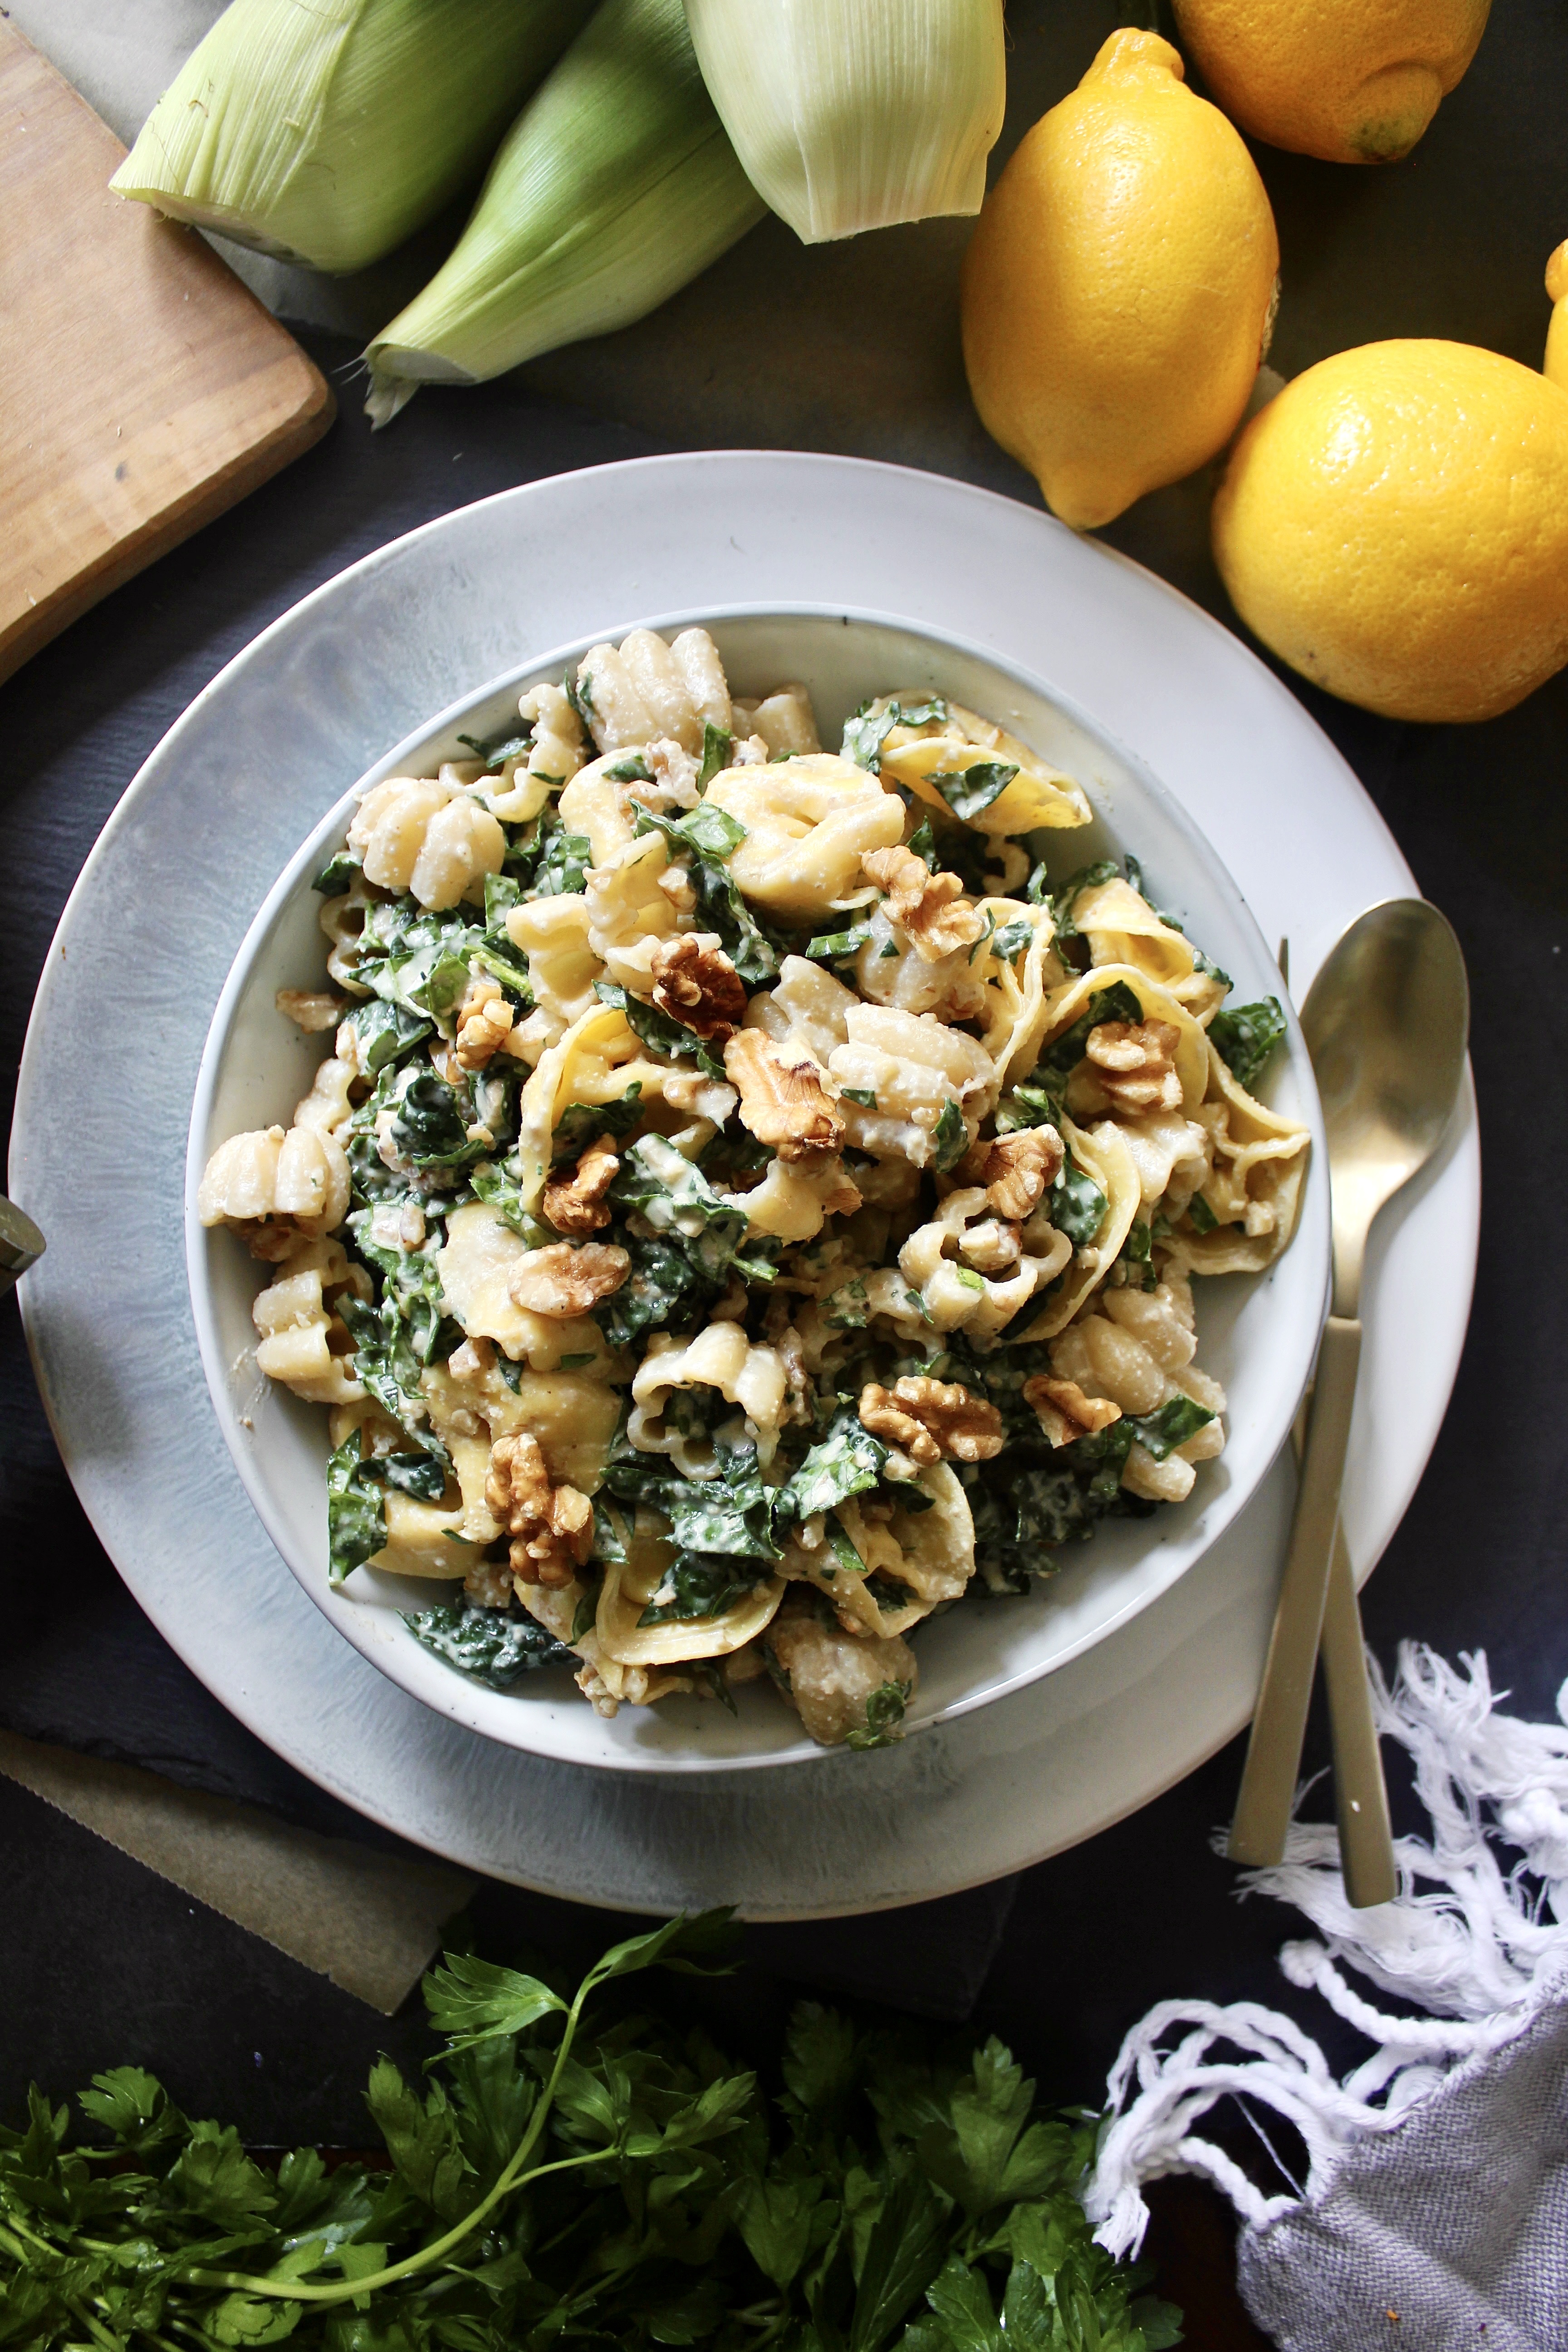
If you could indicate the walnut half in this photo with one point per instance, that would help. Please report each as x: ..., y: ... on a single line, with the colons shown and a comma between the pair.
x: 576, y: 1203
x: 696, y: 983
x: 1065, y: 1412
x: 922, y: 903
x: 1135, y: 1063
x: 1015, y: 1169
x: 566, y: 1278
x: 484, y: 1024
x: 551, y: 1528
x: 782, y: 1099
x: 928, y: 1419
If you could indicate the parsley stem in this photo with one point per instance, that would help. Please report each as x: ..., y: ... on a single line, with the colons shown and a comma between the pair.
x: 510, y: 2178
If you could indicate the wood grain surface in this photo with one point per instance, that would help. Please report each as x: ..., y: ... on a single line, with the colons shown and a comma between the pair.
x: 143, y: 389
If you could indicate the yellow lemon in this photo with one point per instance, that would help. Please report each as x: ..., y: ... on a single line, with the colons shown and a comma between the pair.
x: 1555, y: 363
x: 1394, y: 525
x: 1119, y: 289
x: 1355, y: 81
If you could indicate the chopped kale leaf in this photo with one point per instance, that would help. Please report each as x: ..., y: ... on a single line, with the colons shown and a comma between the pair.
x: 498, y: 1646
x: 1246, y: 1036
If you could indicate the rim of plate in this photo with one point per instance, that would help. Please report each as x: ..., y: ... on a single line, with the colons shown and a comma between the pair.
x: 1221, y: 1508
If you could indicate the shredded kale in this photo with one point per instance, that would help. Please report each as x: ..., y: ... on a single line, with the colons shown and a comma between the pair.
x: 950, y: 1138
x: 581, y: 1123
x: 340, y: 873
x: 968, y: 792
x: 675, y: 1199
x: 495, y: 751
x: 1135, y: 1257
x: 498, y: 1646
x: 1247, y: 1035
x: 732, y: 1512
x: 659, y: 1033
x: 699, y: 1584
x: 356, y: 1510
x: 845, y: 1462
x: 717, y: 745
x: 834, y: 947
x: 865, y: 734
x: 498, y: 1185
x: 707, y: 836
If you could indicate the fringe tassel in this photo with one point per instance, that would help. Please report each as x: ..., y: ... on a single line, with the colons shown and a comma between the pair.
x: 1479, y: 1952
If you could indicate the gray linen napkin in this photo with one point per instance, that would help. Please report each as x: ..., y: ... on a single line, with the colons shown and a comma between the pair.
x: 1435, y: 2204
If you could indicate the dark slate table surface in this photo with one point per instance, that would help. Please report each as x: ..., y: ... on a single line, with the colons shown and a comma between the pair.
x: 104, y: 1962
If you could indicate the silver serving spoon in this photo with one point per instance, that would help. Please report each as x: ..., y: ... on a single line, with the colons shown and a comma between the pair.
x: 1386, y: 1023
x: 21, y: 1243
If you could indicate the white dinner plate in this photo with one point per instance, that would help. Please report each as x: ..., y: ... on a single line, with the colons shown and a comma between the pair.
x: 153, y: 927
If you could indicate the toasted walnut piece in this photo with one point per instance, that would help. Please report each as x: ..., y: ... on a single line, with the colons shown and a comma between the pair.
x: 484, y: 1022
x: 1135, y: 1062
x: 567, y: 1279
x: 1064, y: 1410
x: 1015, y: 1169
x: 696, y: 983
x: 932, y: 1418
x: 783, y: 1099
x: 551, y: 1528
x: 921, y: 902
x: 310, y: 1011
x: 576, y: 1203
x: 472, y: 1360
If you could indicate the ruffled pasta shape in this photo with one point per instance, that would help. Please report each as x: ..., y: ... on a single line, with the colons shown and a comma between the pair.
x: 950, y: 746
x: 645, y: 687
x: 1121, y: 927
x: 475, y: 1264
x: 1102, y: 1152
x: 1254, y: 1192
x: 302, y: 1341
x: 808, y: 822
x: 632, y: 1584
x: 928, y: 1554
x: 720, y: 1356
x: 422, y: 834
x: 966, y: 1269
x: 1067, y: 1004
x: 277, y: 1187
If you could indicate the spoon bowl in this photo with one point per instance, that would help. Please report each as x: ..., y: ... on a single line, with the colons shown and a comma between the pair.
x: 1386, y: 1023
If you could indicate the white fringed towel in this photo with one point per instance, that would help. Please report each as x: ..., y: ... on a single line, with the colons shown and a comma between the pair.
x: 1435, y: 2212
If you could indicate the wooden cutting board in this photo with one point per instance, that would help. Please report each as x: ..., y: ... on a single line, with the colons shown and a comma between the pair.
x: 142, y: 388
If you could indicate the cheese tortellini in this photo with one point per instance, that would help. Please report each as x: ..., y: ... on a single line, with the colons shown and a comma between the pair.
x: 752, y: 1198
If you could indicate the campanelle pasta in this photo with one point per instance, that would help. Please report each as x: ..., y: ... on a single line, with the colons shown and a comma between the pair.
x: 751, y: 1201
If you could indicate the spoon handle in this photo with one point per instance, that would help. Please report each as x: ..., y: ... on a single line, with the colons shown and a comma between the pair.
x: 1361, y: 1794
x: 1278, y: 1726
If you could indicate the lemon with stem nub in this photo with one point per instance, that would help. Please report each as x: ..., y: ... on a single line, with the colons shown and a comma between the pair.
x: 1354, y: 81
x: 1118, y: 289
x: 1394, y: 525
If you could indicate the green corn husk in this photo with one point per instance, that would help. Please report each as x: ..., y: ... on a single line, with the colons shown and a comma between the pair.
x: 614, y: 187
x: 326, y: 131
x: 853, y: 114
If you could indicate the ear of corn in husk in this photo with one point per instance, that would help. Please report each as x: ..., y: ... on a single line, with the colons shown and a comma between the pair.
x: 328, y: 130
x: 853, y: 114
x: 614, y: 187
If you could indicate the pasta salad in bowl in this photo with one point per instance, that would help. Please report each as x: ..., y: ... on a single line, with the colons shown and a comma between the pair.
x: 748, y: 1223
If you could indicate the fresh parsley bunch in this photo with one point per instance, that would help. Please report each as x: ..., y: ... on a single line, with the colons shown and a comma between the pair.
x: 579, y: 2175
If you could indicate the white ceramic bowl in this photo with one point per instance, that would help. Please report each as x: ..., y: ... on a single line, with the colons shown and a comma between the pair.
x: 1257, y: 1335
